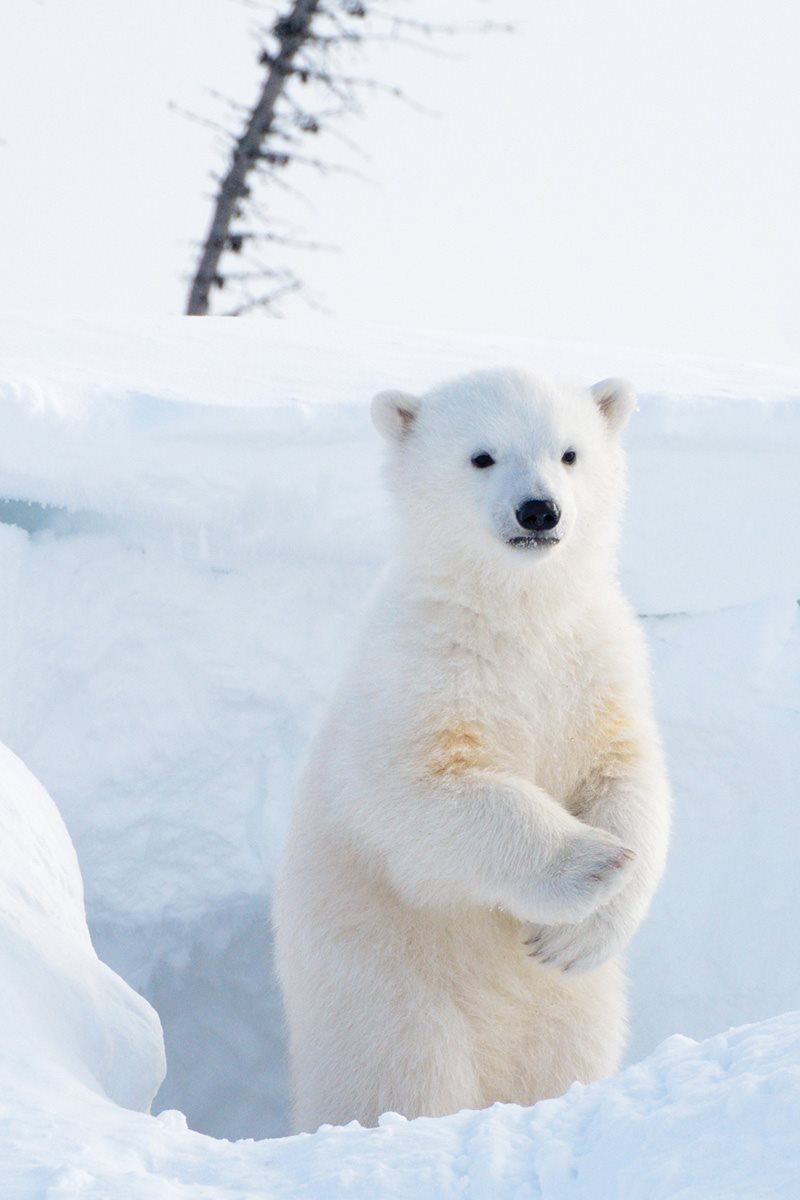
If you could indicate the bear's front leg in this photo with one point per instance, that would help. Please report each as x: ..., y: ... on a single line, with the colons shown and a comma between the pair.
x: 470, y: 835
x: 628, y: 796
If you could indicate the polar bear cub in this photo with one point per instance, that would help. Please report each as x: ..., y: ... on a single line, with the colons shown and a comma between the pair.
x: 484, y: 816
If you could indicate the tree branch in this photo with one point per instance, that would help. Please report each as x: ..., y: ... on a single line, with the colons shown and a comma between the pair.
x: 290, y: 32
x: 304, y: 54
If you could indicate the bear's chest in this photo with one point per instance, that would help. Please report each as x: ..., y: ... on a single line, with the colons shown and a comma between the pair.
x: 543, y: 704
x: 529, y: 706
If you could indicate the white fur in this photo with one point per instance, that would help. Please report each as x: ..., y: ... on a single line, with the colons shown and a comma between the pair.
x: 456, y: 891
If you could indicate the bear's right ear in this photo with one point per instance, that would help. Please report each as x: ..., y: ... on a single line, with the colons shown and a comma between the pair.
x: 393, y: 414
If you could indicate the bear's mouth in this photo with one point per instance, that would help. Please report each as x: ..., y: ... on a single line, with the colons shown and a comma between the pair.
x: 530, y: 539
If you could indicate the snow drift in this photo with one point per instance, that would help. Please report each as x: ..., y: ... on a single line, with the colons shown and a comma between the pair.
x: 65, y: 1018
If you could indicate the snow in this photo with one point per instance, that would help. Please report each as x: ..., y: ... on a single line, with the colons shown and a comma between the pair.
x: 190, y: 515
x: 65, y: 1017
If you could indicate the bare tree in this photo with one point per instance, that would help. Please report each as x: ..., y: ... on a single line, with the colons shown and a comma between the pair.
x: 306, y: 87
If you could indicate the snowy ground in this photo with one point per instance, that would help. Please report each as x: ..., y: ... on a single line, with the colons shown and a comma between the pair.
x: 189, y: 516
x: 714, y: 1121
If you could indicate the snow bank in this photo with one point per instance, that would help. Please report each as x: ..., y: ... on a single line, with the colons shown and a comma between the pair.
x: 65, y: 1018
x: 190, y: 515
x: 714, y: 1121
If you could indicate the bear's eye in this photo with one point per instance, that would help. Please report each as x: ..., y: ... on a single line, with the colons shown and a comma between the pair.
x: 568, y: 457
x: 482, y: 460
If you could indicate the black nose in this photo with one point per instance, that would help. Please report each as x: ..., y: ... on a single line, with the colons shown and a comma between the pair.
x: 538, y: 515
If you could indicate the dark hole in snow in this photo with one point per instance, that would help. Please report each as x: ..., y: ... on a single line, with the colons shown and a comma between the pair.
x: 34, y: 517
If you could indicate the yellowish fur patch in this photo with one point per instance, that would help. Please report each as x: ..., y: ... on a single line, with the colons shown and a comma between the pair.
x: 613, y: 741
x: 457, y: 748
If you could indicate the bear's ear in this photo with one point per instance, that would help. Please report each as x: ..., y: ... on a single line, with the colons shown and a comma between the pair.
x: 393, y: 414
x: 616, y: 400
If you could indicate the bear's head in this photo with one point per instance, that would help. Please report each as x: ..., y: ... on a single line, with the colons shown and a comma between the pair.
x: 507, y: 471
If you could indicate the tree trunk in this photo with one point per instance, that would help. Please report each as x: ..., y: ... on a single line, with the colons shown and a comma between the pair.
x: 291, y: 31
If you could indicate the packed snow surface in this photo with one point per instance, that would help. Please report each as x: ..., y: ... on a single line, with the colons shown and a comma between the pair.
x: 190, y: 515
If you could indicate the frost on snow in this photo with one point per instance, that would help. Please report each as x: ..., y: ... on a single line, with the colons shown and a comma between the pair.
x: 187, y: 524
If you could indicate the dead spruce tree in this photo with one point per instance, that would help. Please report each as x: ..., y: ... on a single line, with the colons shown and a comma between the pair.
x: 307, y: 85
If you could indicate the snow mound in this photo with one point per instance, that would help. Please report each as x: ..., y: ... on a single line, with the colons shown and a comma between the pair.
x: 64, y: 1015
x: 709, y: 1121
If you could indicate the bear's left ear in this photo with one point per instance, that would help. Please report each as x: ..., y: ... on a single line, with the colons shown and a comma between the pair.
x: 393, y: 414
x: 616, y: 400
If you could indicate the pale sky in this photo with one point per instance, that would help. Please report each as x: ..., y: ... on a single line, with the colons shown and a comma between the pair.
x: 617, y: 171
